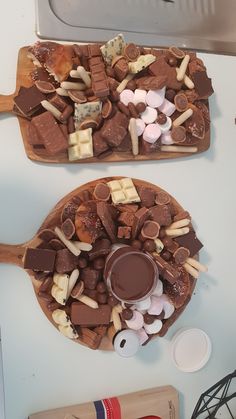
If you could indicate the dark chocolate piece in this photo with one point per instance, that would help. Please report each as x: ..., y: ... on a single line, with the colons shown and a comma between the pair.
x: 147, y: 196
x: 49, y: 130
x: 56, y: 244
x: 29, y: 100
x: 39, y: 259
x: 101, y: 247
x: 46, y: 234
x: 83, y: 315
x: 139, y: 219
x: 191, y: 242
x: 65, y: 261
x: 203, y: 85
x: 105, y: 216
x: 161, y: 214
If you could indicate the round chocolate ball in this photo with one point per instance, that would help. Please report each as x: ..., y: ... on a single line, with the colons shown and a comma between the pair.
x: 173, y: 61
x: 112, y: 301
x: 161, y: 119
x: 149, y: 245
x: 82, y: 262
x: 166, y: 255
x: 148, y: 318
x: 127, y: 314
x: 140, y: 107
x: 136, y: 244
x: 98, y: 263
x: 131, y: 85
x: 102, y: 298
x: 170, y: 95
x: 101, y: 287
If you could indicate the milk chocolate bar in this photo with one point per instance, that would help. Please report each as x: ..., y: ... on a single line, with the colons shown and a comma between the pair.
x: 83, y: 315
x: 49, y: 130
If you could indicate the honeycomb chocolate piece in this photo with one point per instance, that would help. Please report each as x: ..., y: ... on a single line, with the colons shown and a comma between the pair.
x: 83, y: 315
x: 161, y: 214
x: 48, y: 129
x: 90, y: 278
x: 104, y: 213
x: 65, y: 261
x: 68, y: 228
x: 124, y: 232
x: 139, y: 219
x: 39, y: 259
x: 147, y: 196
x: 101, y: 247
x: 191, y: 242
x: 203, y: 85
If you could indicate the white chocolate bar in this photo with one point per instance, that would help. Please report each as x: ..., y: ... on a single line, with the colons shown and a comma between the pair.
x: 83, y: 144
x: 86, y: 110
x: 142, y: 62
x: 123, y: 191
x: 113, y: 48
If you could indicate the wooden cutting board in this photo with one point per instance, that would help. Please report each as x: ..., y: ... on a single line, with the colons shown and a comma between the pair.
x: 24, y: 68
x: 159, y: 402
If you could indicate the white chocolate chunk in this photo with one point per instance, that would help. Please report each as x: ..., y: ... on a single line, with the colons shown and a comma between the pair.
x: 72, y: 281
x: 73, y: 138
x: 113, y: 48
x: 60, y: 317
x: 159, y: 245
x: 141, y: 63
x: 74, y: 153
x: 123, y: 191
x: 68, y: 331
x: 59, y: 294
x: 84, y: 146
x: 61, y: 280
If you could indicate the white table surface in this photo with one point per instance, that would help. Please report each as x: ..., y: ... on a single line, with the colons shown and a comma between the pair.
x: 42, y: 369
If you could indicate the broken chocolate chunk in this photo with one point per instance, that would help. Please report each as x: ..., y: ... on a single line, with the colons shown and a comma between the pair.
x: 101, y: 247
x: 99, y: 144
x: 39, y: 259
x: 191, y: 242
x: 161, y: 68
x: 29, y: 100
x: 147, y: 196
x: 139, y: 219
x: 126, y: 218
x: 151, y: 82
x: 161, y: 214
x: 203, y: 85
x: 65, y: 261
x: 104, y: 213
x: 114, y: 129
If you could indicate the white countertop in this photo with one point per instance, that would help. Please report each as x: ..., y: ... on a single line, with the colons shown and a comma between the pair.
x: 42, y: 369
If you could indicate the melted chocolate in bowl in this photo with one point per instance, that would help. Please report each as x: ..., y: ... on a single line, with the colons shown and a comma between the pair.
x: 131, y: 274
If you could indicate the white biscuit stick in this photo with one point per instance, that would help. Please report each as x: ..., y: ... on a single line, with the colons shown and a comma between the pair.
x: 197, y: 265
x: 182, y: 118
x: 183, y: 67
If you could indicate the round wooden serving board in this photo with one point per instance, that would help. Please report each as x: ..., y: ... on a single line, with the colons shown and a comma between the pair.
x: 14, y: 254
x: 24, y: 68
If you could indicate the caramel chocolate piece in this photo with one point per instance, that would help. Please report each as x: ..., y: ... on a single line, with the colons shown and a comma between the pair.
x: 203, y: 85
x: 101, y: 247
x: 162, y: 198
x: 65, y: 261
x: 161, y: 214
x: 39, y: 259
x: 161, y: 68
x: 46, y: 234
x: 87, y: 223
x: 139, y: 219
x: 106, y: 108
x: 190, y: 241
x: 181, y: 255
x: 180, y: 290
x: 45, y: 86
x: 102, y: 192
x: 178, y: 134
x: 49, y: 130
x: 68, y: 228
x: 181, y: 102
x: 90, y: 338
x: 131, y: 52
x: 126, y: 218
x: 147, y: 196
x: 151, y: 82
x: 29, y: 100
x: 99, y: 144
x: 83, y: 315
x: 124, y: 232
x: 114, y: 129
x: 104, y: 213
x: 90, y: 278
x: 150, y: 229
x: 195, y: 125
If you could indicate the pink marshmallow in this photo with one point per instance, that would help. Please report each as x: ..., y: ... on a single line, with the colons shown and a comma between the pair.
x: 156, y: 307
x: 167, y: 107
x: 166, y: 138
x: 149, y: 115
x: 151, y: 133
x: 136, y: 322
x: 142, y: 335
x: 140, y: 125
x: 155, y: 98
x: 126, y: 96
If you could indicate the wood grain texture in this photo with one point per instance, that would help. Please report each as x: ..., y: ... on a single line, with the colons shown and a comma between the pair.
x: 24, y: 68
x: 14, y: 254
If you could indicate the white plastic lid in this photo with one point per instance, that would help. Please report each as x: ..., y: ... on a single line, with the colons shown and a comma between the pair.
x: 190, y: 349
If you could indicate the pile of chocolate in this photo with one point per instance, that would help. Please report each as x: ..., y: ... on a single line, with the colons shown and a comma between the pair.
x: 72, y: 262
x: 92, y: 100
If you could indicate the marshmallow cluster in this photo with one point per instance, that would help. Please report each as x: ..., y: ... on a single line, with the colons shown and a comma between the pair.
x: 146, y: 124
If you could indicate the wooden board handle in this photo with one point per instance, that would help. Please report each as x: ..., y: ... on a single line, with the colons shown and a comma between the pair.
x: 6, y: 103
x: 12, y: 254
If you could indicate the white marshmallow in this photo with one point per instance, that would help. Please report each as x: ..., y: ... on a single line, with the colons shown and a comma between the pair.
x: 167, y: 126
x: 143, y: 305
x: 149, y: 115
x: 136, y: 322
x: 156, y: 306
x: 158, y: 291
x: 168, y: 307
x: 126, y: 96
x: 155, y: 98
x: 139, y: 96
x: 167, y: 107
x: 153, y: 328
x: 166, y: 138
x: 142, y: 335
x: 140, y: 125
